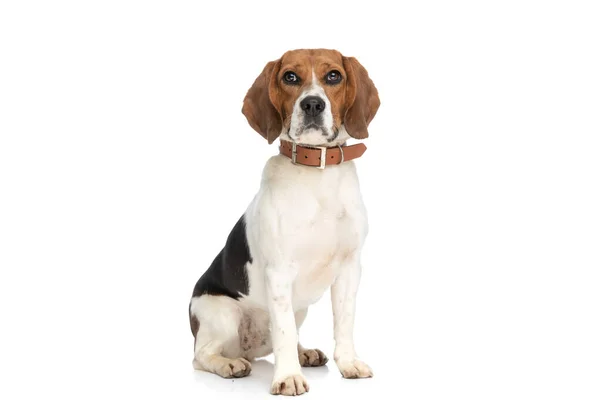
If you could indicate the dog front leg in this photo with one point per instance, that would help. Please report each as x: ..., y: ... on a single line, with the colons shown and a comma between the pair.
x: 288, y: 379
x: 343, y: 300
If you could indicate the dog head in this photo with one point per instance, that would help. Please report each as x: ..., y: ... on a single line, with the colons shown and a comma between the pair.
x: 315, y: 97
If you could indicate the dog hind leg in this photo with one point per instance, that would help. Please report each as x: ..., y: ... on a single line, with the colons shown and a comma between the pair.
x: 217, y: 349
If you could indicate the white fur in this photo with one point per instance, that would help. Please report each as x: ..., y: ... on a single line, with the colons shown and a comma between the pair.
x: 305, y: 229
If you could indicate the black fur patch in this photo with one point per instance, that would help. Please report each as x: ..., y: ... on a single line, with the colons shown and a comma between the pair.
x: 226, y: 275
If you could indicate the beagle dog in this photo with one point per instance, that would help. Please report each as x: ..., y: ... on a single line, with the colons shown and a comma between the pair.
x: 303, y: 231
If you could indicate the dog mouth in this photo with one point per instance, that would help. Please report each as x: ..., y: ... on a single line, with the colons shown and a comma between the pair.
x: 314, y: 126
x: 312, y: 130
x: 313, y: 133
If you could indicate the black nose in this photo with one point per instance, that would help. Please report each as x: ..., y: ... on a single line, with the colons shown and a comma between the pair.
x: 312, y: 105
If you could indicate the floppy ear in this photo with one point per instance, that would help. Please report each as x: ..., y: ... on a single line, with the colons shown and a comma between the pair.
x: 258, y: 106
x: 362, y: 99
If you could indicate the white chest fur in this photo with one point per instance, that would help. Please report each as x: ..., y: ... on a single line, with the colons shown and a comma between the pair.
x: 305, y: 222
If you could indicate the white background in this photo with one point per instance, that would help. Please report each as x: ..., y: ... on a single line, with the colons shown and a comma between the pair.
x: 125, y: 161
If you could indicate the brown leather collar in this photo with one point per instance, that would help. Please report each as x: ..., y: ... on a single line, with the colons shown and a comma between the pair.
x: 320, y: 156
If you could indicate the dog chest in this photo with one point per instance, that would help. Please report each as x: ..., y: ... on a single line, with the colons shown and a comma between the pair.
x: 325, y: 249
x: 307, y: 222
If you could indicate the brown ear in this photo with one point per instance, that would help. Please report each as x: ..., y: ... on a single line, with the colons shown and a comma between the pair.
x: 258, y: 106
x: 362, y: 99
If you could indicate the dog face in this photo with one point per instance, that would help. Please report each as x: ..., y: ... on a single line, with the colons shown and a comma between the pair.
x: 313, y: 97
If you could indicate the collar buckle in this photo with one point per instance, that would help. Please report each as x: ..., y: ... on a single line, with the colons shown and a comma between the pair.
x: 322, y: 158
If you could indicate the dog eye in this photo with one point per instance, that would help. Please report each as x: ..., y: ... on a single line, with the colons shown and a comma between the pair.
x: 290, y: 77
x: 333, y: 77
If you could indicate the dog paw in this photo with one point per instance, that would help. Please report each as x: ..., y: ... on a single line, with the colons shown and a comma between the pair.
x: 312, y: 358
x: 235, y: 368
x: 292, y: 385
x: 353, y: 369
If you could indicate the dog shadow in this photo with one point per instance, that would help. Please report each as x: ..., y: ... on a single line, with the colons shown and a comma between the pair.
x: 259, y: 379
